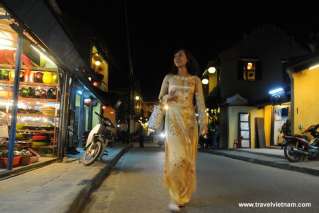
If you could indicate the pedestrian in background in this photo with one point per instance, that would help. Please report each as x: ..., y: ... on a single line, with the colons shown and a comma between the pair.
x: 182, y: 94
x: 141, y: 136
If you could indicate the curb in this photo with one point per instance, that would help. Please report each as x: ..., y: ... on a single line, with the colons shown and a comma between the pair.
x: 264, y: 154
x: 285, y: 166
x: 19, y: 171
x: 79, y: 202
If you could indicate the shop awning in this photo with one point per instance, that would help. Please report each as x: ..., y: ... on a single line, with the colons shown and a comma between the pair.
x: 39, y: 19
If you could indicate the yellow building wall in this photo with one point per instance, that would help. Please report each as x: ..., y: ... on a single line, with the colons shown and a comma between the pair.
x: 305, y: 99
x: 268, y: 111
x: 103, y: 68
x: 106, y: 77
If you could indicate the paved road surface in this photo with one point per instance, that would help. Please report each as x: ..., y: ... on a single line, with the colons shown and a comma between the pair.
x: 135, y: 186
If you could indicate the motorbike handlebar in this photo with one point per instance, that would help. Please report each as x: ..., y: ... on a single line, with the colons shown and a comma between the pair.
x: 105, y: 119
x: 312, y: 128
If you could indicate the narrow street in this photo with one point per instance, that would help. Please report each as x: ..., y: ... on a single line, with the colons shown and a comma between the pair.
x: 135, y: 186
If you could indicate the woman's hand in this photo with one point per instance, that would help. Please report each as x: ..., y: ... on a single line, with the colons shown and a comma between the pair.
x: 204, y: 132
x: 172, y: 96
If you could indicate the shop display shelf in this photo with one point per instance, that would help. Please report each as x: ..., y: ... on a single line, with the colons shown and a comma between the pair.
x: 32, y: 84
x: 9, y: 66
x: 35, y: 115
x: 37, y: 100
x: 35, y: 131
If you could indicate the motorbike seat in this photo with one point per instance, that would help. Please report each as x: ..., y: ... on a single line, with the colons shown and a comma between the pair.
x: 294, y: 137
x: 301, y: 136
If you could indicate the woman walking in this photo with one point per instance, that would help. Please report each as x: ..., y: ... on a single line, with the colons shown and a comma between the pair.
x: 182, y: 95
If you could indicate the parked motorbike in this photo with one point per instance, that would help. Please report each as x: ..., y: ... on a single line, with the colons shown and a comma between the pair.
x: 299, y: 147
x: 97, y: 140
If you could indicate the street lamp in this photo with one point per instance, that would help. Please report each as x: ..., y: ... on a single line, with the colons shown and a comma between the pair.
x: 211, y: 70
x: 97, y: 63
x: 137, y: 98
x: 205, y: 81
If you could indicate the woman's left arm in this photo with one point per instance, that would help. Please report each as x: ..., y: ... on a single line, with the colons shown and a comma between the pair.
x: 200, y: 105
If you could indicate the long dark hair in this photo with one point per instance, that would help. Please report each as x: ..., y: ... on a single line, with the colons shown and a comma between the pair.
x: 191, y: 65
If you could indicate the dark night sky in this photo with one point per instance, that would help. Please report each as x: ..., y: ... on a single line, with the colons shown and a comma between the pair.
x: 156, y: 29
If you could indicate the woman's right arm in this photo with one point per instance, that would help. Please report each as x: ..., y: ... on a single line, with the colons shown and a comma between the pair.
x: 164, y: 90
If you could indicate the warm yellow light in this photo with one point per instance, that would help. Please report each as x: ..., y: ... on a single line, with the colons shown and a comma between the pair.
x: 95, y: 84
x: 90, y: 79
x: 249, y: 66
x: 104, y: 107
x: 6, y: 41
x: 205, y: 81
x: 137, y: 97
x: 97, y: 63
x: 314, y: 67
x: 166, y: 107
x: 211, y: 70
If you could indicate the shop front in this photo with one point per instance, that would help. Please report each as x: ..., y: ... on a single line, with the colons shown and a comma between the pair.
x: 41, y: 78
x: 86, y: 102
x: 30, y: 94
x: 254, y: 126
x: 83, y: 108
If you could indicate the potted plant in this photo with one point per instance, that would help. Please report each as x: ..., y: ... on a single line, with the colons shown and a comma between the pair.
x: 34, y: 156
x: 25, y: 157
x: 4, y: 159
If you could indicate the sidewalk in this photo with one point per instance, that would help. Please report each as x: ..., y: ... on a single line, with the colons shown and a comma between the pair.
x: 59, y: 187
x: 270, y: 157
x: 279, y: 153
x: 43, y: 161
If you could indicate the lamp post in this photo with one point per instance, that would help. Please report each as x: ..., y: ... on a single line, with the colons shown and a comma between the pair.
x: 212, y: 74
x: 209, y: 79
x: 205, y: 81
x: 131, y: 74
